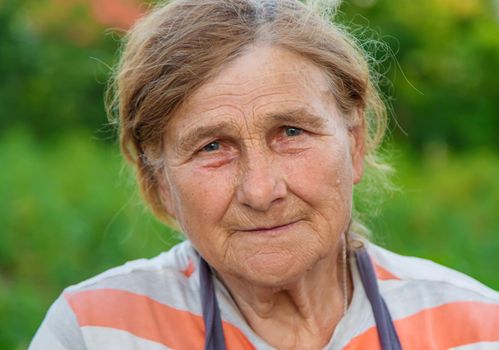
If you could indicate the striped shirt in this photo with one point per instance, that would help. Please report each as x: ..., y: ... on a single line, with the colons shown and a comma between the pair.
x: 155, y: 305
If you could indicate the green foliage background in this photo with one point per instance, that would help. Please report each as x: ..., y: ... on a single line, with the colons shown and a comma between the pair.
x: 69, y: 209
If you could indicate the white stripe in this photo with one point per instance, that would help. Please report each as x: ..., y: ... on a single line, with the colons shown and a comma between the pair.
x: 44, y: 339
x: 174, y: 259
x: 100, y: 338
x: 159, y: 279
x: 421, y: 270
x: 405, y: 298
x: 479, y: 346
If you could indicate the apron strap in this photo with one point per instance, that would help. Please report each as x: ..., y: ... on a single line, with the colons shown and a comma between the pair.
x: 214, y: 335
x: 386, y: 330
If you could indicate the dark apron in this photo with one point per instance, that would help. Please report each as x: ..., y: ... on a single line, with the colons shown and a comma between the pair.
x: 213, y: 323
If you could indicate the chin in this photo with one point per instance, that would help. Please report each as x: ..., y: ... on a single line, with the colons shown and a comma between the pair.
x: 275, y: 270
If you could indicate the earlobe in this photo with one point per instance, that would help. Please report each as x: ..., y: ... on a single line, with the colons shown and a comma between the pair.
x: 165, y: 192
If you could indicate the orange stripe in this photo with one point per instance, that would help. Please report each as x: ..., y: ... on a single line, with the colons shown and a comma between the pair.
x: 189, y: 270
x: 147, y: 318
x: 383, y: 274
x: 441, y: 327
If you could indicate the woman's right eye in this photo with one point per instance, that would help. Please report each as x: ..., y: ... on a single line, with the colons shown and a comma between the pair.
x: 211, y: 147
x: 291, y: 131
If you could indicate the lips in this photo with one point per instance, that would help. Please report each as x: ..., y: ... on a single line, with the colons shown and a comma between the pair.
x: 270, y: 228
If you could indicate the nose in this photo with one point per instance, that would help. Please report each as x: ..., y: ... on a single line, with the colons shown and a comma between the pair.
x: 261, y: 183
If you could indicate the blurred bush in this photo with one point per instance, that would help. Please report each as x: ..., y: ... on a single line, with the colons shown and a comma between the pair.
x: 68, y: 212
x: 445, y: 210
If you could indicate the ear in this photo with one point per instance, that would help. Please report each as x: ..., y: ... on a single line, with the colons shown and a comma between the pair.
x: 357, y: 136
x: 165, y: 191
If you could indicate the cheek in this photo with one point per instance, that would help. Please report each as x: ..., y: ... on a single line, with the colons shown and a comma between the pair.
x: 201, y: 197
x: 321, y: 175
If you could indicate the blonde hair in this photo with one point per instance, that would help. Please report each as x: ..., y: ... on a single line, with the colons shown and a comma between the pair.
x: 178, y: 46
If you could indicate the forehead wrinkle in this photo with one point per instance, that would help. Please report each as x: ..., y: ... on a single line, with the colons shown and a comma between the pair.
x: 215, y: 90
x: 217, y: 94
x: 297, y: 111
x: 284, y: 79
x: 207, y: 110
x: 253, y: 95
x: 296, y: 103
x: 286, y: 76
x: 264, y: 94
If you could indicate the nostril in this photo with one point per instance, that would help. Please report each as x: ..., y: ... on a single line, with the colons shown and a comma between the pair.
x: 259, y: 190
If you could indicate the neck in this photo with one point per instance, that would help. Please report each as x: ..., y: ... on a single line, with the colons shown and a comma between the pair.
x: 301, y: 314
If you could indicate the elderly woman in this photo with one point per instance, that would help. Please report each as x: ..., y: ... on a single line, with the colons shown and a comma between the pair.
x: 249, y: 122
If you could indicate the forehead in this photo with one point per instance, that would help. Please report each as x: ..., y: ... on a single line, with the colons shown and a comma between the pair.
x: 261, y: 80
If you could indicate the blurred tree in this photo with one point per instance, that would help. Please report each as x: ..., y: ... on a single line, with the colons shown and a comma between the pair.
x: 55, y: 58
x: 445, y: 72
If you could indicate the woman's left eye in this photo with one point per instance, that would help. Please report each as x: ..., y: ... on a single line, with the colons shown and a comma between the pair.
x: 292, y: 131
x: 212, y: 146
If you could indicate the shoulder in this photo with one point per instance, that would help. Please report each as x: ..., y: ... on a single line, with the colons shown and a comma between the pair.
x: 164, y: 283
x: 136, y: 297
x: 432, y: 306
x: 390, y: 266
x: 176, y: 266
x: 427, y: 298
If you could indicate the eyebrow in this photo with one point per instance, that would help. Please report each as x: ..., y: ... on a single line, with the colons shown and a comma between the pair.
x: 300, y: 116
x: 192, y: 137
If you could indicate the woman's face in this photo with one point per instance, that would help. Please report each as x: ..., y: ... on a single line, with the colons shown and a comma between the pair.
x: 259, y: 168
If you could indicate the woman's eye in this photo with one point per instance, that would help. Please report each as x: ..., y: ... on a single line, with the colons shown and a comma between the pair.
x: 212, y: 146
x: 292, y: 131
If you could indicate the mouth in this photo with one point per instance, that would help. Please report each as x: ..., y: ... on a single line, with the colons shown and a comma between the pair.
x: 270, y: 229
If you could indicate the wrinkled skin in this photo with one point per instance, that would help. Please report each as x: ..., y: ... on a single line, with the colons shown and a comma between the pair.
x: 259, y: 171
